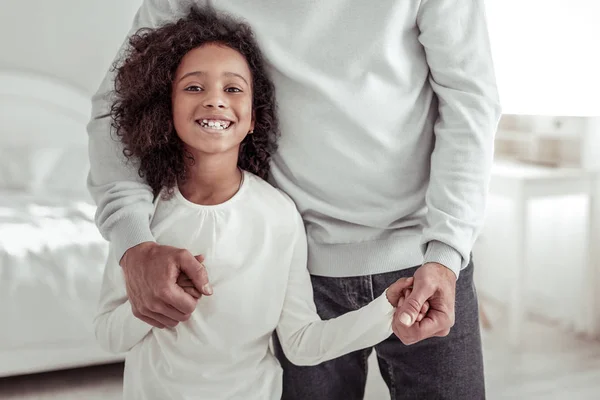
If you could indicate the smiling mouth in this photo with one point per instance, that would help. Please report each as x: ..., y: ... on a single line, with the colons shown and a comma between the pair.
x: 217, y: 125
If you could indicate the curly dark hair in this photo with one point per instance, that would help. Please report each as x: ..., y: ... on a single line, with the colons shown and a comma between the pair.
x: 142, y: 113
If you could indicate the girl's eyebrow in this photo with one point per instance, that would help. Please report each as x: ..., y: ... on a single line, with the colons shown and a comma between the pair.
x: 200, y: 73
x: 238, y: 75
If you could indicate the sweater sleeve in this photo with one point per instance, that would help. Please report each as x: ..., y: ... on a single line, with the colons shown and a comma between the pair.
x: 117, y: 329
x: 123, y: 199
x: 455, y: 38
x: 305, y: 338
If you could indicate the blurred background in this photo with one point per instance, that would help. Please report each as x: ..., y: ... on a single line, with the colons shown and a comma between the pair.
x: 538, y: 257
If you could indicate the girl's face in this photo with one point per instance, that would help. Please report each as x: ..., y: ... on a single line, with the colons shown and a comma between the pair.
x: 212, y: 100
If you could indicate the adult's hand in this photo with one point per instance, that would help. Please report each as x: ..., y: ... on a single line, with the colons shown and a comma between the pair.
x: 151, y: 271
x: 399, y: 291
x: 433, y: 283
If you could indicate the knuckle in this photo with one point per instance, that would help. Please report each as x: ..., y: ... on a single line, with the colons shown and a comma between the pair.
x: 188, y: 308
x: 201, y: 273
x: 404, y: 336
x: 171, y: 324
x: 182, y: 254
x: 150, y: 321
x: 164, y: 293
x: 143, y: 309
x: 185, y: 317
x: 412, y: 304
x: 152, y: 307
x: 407, y: 341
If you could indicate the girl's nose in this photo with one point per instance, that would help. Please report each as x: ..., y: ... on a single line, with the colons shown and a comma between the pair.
x: 214, y: 99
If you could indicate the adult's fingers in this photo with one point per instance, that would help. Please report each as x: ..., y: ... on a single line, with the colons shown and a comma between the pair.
x: 166, y: 321
x: 170, y: 311
x: 423, y: 312
x: 424, y: 309
x: 188, y: 286
x: 177, y: 304
x: 173, y: 294
x: 192, y: 291
x: 184, y: 281
x: 155, y: 319
x: 432, y: 325
x: 196, y: 271
x: 409, y: 311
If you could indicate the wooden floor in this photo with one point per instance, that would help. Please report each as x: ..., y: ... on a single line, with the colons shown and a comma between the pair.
x: 553, y: 365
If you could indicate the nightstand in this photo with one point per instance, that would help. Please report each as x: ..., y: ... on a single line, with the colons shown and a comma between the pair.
x: 521, y: 183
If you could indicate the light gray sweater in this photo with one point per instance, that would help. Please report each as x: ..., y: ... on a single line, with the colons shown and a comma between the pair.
x: 388, y: 110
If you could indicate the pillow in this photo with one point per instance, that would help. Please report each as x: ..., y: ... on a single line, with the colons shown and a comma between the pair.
x: 60, y: 171
x: 69, y: 174
x: 24, y: 168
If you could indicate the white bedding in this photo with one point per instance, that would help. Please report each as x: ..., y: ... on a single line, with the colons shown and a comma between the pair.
x: 51, y: 254
x: 51, y: 263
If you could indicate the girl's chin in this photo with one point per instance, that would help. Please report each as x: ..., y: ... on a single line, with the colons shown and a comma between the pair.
x: 204, y: 147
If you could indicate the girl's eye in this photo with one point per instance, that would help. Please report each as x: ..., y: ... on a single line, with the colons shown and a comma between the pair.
x: 193, y: 88
x: 233, y: 90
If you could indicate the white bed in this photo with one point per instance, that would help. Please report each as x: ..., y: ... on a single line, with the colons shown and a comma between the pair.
x: 51, y: 254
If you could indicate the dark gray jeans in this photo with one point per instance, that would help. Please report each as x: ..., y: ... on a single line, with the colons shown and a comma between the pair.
x: 437, y: 368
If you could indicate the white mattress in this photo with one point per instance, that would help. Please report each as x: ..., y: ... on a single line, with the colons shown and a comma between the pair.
x: 51, y: 264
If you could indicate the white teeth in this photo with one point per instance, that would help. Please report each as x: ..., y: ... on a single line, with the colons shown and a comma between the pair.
x: 215, y: 124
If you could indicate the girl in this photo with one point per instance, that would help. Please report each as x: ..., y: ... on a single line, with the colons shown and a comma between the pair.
x: 195, y: 110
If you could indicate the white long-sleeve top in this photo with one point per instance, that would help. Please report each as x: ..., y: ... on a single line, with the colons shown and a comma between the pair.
x: 255, y: 254
x: 388, y: 110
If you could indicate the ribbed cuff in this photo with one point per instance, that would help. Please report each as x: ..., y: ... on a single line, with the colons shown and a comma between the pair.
x: 130, y: 231
x: 441, y: 253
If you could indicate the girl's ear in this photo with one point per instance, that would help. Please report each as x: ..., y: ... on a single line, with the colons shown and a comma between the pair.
x: 252, y: 122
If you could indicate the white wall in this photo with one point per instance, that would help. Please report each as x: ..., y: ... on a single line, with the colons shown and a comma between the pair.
x: 545, y: 55
x: 73, y: 40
